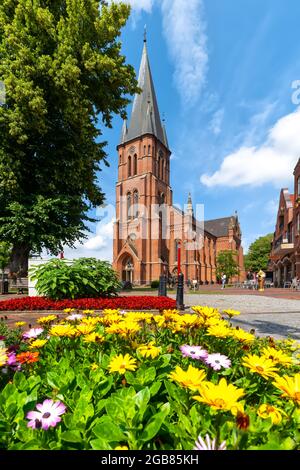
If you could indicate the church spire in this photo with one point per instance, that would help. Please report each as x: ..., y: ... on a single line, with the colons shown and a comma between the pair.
x: 124, y: 132
x: 190, y: 205
x: 145, y: 117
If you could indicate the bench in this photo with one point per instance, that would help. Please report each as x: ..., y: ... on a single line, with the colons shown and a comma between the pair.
x: 20, y: 283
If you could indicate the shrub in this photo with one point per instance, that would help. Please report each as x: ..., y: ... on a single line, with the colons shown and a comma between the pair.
x: 148, y: 382
x: 154, y: 284
x: 84, y: 278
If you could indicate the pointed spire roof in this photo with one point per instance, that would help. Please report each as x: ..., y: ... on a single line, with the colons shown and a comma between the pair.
x: 124, y: 132
x: 145, y: 117
x: 190, y: 205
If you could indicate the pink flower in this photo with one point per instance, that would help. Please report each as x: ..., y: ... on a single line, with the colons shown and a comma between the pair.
x: 74, y: 317
x: 208, y: 444
x: 12, y: 361
x: 48, y: 415
x: 195, y: 352
x: 33, y: 333
x: 217, y: 361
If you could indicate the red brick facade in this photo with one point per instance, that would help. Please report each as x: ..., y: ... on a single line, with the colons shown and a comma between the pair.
x: 148, y: 227
x: 285, y: 255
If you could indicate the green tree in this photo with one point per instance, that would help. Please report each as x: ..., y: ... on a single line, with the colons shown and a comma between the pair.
x: 5, y: 254
x: 227, y: 264
x: 65, y: 78
x: 259, y: 253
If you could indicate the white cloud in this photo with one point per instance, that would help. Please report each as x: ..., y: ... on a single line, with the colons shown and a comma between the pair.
x: 184, y: 29
x: 99, y: 245
x: 215, y: 124
x: 272, y: 162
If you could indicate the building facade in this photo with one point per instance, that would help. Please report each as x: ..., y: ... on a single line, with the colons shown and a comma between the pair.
x: 285, y: 254
x: 148, y: 228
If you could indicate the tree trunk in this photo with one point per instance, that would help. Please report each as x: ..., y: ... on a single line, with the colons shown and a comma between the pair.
x: 19, y: 259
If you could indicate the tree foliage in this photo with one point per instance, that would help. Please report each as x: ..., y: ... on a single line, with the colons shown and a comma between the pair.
x: 227, y: 264
x: 64, y: 75
x: 259, y: 254
x: 5, y: 254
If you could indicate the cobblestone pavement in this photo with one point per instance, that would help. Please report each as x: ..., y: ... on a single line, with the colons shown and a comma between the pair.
x: 279, y: 318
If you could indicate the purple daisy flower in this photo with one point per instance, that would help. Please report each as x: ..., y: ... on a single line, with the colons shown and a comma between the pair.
x: 12, y: 361
x: 48, y: 415
x: 33, y: 333
x: 208, y: 444
x: 195, y: 352
x: 218, y: 361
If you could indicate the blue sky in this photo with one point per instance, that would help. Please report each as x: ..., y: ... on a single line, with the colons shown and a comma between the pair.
x: 223, y: 72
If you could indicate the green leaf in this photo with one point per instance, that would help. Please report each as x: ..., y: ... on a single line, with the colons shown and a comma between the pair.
x: 106, y: 429
x: 153, y: 426
x: 100, y: 444
x: 71, y: 436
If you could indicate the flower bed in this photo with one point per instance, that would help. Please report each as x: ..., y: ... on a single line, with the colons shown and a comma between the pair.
x: 144, y: 381
x: 126, y: 303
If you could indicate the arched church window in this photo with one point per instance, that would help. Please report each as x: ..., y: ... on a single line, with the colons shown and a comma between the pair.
x: 129, y: 166
x: 149, y: 149
x: 158, y: 168
x: 128, y: 205
x: 135, y: 204
x: 135, y: 165
x: 144, y: 150
x: 162, y: 198
x: 120, y: 158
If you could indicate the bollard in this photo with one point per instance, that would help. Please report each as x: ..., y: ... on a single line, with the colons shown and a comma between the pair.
x: 162, y: 289
x: 179, y: 296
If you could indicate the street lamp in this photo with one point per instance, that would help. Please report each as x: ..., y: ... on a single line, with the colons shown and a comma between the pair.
x: 180, y: 284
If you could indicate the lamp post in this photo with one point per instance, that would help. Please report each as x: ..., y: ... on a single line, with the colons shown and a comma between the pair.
x: 180, y: 283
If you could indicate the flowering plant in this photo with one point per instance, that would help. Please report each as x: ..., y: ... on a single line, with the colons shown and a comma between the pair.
x: 147, y: 381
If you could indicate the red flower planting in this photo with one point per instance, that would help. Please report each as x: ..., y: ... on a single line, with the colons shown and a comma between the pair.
x: 124, y: 303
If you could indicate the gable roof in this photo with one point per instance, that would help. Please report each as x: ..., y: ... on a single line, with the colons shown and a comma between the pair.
x: 219, y: 227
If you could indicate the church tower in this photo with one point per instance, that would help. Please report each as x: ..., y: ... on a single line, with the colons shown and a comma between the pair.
x: 140, y: 251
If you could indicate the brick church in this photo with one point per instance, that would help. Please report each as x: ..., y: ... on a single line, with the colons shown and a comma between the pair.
x: 148, y: 228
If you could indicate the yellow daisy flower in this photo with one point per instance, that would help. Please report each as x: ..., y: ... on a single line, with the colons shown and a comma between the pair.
x: 122, y: 363
x: 94, y: 366
x: 260, y: 365
x: 290, y: 386
x: 69, y: 310
x: 242, y: 336
x: 63, y: 330
x: 85, y: 329
x: 3, y: 356
x: 191, y: 378
x: 111, y: 311
x: 19, y: 324
x: 268, y: 411
x: 277, y: 356
x: 123, y: 328
x: 121, y: 448
x: 206, y: 312
x: 222, y: 396
x: 47, y: 319
x: 149, y: 350
x: 93, y: 338
x: 91, y: 320
x: 37, y: 343
x: 220, y: 331
x: 88, y: 312
x: 231, y: 313
x: 111, y: 319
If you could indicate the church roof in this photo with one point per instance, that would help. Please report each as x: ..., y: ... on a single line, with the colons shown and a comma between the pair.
x: 219, y: 227
x: 145, y: 117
